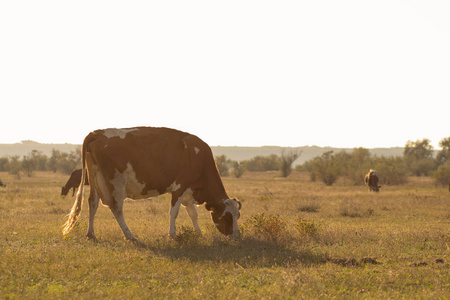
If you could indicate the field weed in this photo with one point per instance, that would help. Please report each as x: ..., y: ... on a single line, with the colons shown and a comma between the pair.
x: 269, y: 227
x: 308, y: 228
x: 188, y: 236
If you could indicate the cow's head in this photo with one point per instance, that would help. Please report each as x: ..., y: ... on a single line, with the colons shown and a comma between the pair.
x: 64, y: 191
x: 225, y: 216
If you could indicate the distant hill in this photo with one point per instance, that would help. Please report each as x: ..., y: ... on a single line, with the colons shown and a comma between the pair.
x: 25, y: 148
x: 307, y: 152
x: 232, y: 152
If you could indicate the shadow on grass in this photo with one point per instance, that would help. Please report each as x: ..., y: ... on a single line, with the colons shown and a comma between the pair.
x: 246, y: 253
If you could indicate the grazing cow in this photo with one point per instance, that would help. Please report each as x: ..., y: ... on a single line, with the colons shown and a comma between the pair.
x: 2, y: 184
x: 371, y: 180
x: 142, y: 162
x: 73, y: 182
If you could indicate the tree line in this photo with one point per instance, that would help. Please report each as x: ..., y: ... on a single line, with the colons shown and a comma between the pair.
x: 58, y: 161
x: 417, y: 160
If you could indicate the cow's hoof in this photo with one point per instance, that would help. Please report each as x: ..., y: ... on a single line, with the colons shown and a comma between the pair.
x: 92, y: 238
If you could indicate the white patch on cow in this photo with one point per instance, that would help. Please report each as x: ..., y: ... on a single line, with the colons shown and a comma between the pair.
x: 126, y: 185
x: 232, y: 207
x: 196, y: 150
x: 174, y: 187
x: 117, y: 132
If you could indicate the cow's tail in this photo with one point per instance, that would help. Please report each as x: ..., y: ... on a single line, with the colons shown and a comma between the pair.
x: 76, y: 208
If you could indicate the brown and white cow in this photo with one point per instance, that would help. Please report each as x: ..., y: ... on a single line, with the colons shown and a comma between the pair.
x: 371, y: 180
x: 73, y: 182
x: 142, y: 162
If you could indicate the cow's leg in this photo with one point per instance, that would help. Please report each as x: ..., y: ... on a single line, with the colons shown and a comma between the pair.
x: 174, y: 209
x: 117, y: 210
x: 192, y: 212
x: 93, y: 205
x: 73, y: 192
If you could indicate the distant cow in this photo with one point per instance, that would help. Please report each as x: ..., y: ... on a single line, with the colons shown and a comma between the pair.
x: 371, y: 180
x: 145, y: 161
x: 2, y: 184
x: 73, y: 183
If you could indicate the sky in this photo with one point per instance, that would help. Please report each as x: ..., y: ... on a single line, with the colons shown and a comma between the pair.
x: 235, y: 73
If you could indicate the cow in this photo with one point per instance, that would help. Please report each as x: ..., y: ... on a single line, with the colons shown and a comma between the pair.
x: 371, y: 180
x: 2, y: 184
x: 143, y: 162
x: 73, y: 182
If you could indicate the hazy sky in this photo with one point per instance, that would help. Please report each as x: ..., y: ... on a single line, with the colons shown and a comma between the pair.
x: 247, y: 73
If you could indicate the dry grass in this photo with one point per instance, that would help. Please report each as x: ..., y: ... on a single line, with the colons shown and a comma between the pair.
x: 300, y: 240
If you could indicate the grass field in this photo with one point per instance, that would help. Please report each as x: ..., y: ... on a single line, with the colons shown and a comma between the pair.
x: 300, y: 239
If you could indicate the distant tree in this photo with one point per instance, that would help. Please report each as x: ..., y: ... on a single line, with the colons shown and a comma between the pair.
x: 327, y: 168
x: 223, y: 165
x: 444, y: 155
x: 239, y: 168
x: 391, y: 170
x: 263, y: 163
x: 418, y: 149
x: 419, y: 157
x: 15, y: 165
x: 4, y: 164
x: 358, y: 162
x: 28, y: 165
x: 52, y: 162
x: 63, y: 161
x: 69, y: 161
x: 39, y: 159
x: 286, y: 161
x: 442, y: 174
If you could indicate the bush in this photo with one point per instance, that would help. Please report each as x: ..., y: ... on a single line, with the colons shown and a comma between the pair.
x: 356, y: 165
x: 327, y: 168
x: 263, y: 163
x: 305, y: 227
x: 442, y: 174
x: 286, y: 161
x: 391, y: 170
x: 223, y: 165
x: 419, y: 157
x: 239, y: 168
x: 188, y: 236
x: 269, y: 227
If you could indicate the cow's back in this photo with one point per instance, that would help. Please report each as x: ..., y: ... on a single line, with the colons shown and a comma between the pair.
x: 158, y: 157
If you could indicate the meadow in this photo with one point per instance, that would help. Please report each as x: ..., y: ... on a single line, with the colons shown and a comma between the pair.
x: 300, y: 239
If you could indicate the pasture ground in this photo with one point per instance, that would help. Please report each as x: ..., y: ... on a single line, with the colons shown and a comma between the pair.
x: 301, y: 239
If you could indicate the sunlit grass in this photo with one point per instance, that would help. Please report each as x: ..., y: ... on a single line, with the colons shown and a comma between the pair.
x: 299, y: 239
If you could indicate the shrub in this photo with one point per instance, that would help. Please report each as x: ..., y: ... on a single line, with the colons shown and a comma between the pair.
x: 263, y: 163
x: 419, y: 157
x: 286, y: 161
x: 269, y: 227
x: 239, y: 168
x: 188, y: 236
x: 442, y: 174
x: 327, y: 168
x: 306, y: 227
x: 391, y: 170
x: 223, y: 165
